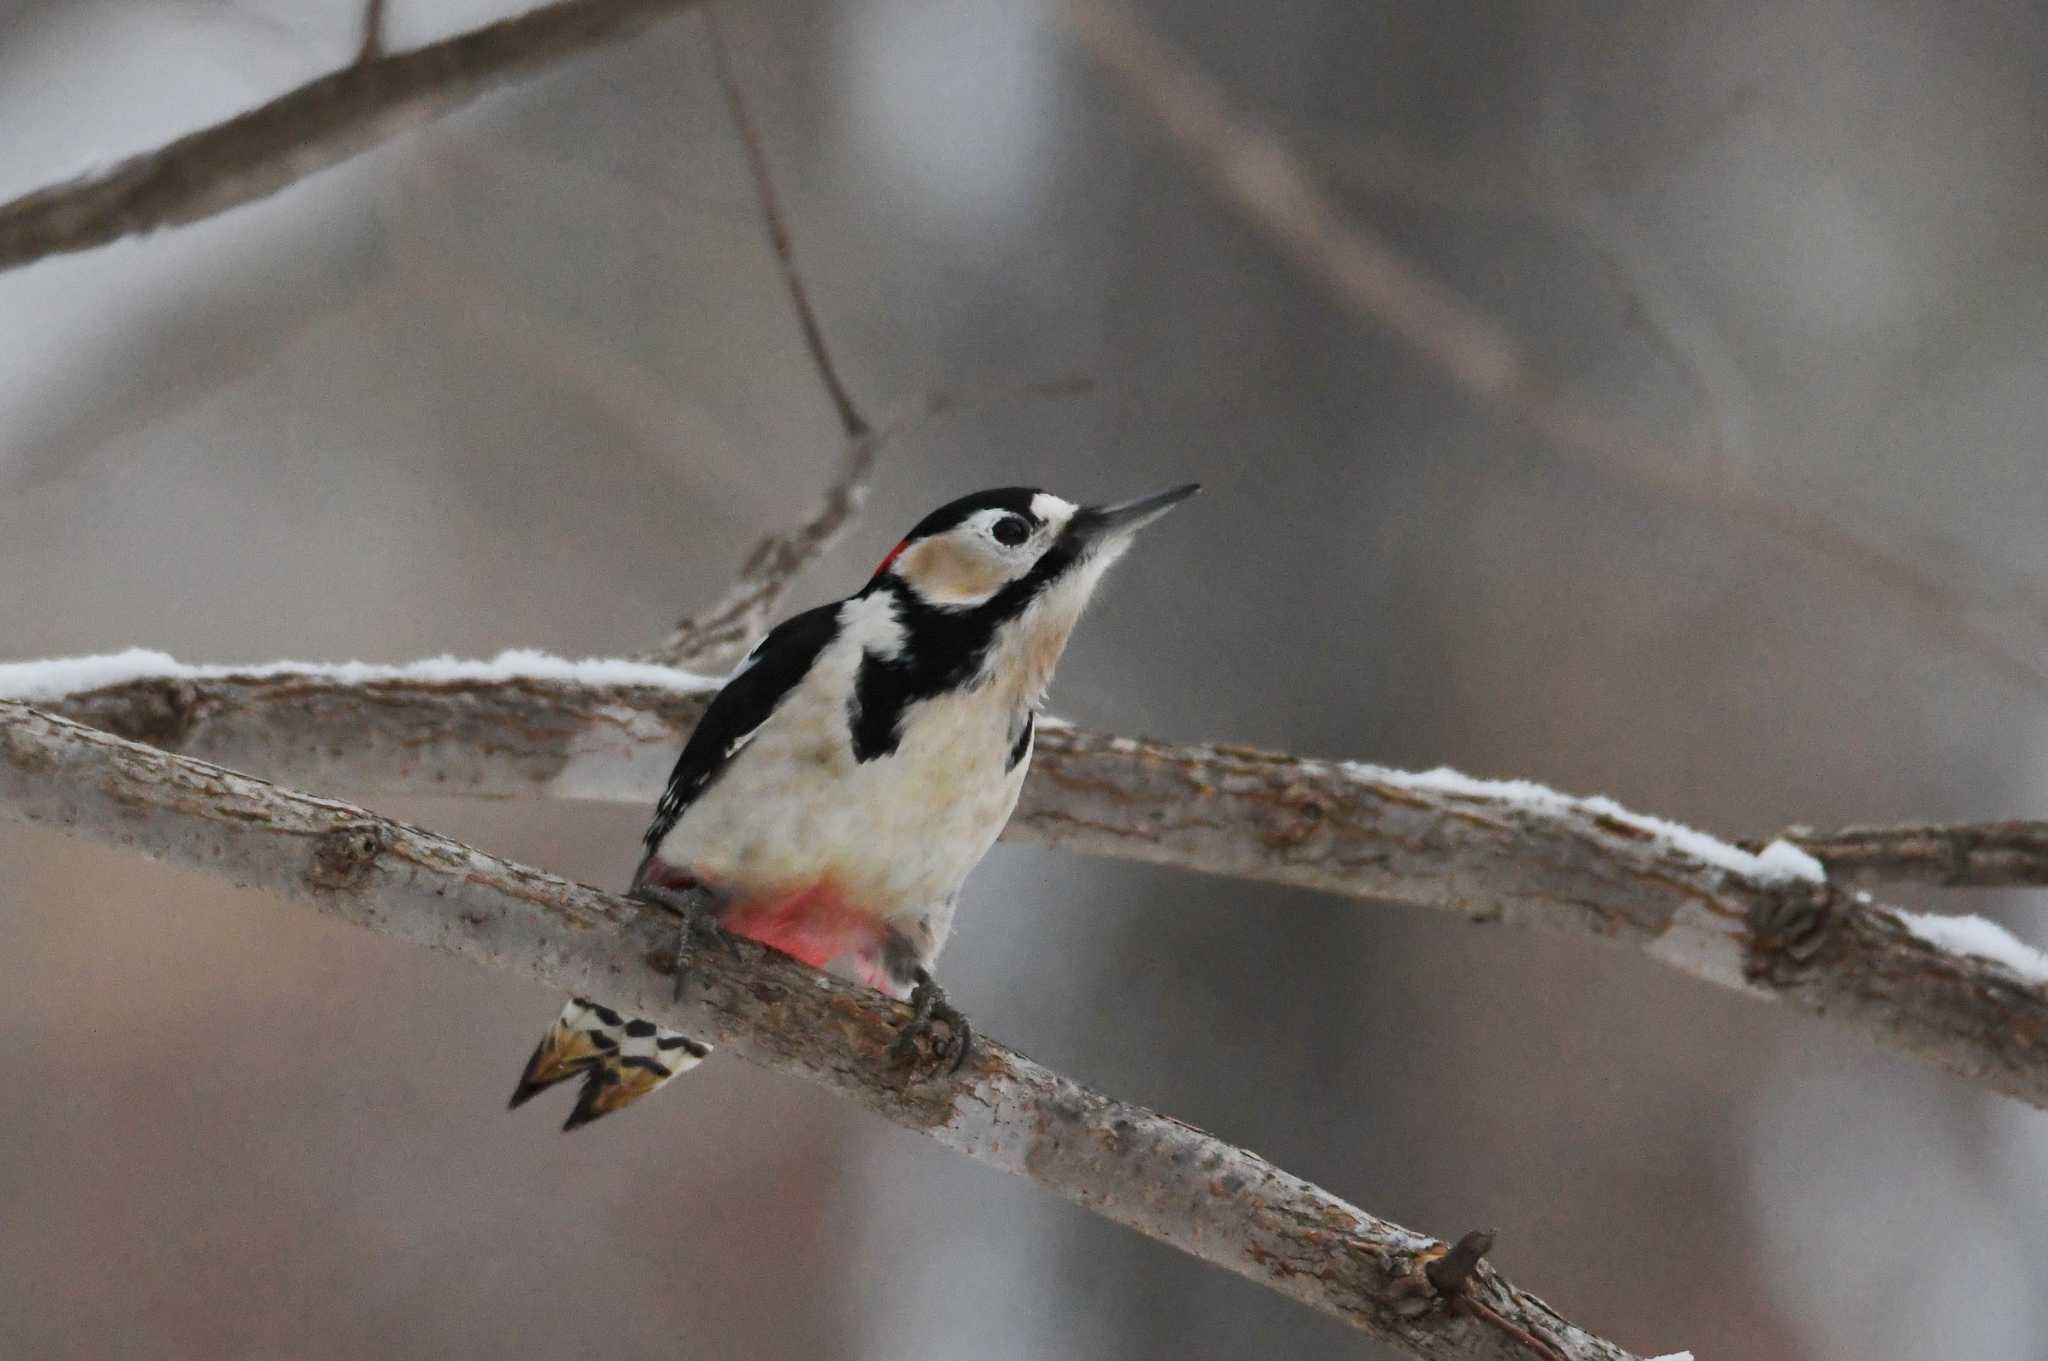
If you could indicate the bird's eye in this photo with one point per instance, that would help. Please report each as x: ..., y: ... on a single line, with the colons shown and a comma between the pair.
x: 1011, y: 530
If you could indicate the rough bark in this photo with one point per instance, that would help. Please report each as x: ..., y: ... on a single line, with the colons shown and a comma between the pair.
x: 1232, y: 811
x: 320, y: 124
x: 1954, y: 855
x: 1166, y: 1179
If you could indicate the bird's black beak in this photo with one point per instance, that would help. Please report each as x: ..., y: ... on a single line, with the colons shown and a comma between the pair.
x: 1128, y: 517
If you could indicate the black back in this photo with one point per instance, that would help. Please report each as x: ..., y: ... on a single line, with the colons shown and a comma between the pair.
x: 748, y: 700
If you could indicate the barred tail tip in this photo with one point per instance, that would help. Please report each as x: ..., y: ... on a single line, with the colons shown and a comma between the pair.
x: 619, y: 1060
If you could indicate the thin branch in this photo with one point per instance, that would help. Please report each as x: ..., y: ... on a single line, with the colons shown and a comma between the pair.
x: 1433, y: 175
x: 850, y: 420
x: 1495, y: 854
x: 715, y: 637
x: 1255, y: 173
x: 318, y: 125
x: 1149, y: 1172
x: 719, y: 635
x: 372, y: 46
x: 1954, y: 855
x: 1680, y: 331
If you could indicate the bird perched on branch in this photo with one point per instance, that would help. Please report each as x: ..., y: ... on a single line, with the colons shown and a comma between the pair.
x: 854, y: 768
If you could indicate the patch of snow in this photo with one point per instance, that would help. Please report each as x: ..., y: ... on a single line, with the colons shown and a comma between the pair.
x: 1779, y: 862
x: 1788, y: 861
x: 1968, y: 935
x: 61, y: 676
x: 1673, y: 1356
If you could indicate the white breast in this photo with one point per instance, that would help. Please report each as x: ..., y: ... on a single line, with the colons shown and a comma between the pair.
x: 899, y: 833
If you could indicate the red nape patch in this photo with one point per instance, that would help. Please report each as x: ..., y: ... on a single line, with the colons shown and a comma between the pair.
x: 894, y: 554
x: 815, y: 924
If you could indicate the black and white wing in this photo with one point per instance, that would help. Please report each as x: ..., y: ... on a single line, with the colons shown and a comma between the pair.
x: 737, y: 712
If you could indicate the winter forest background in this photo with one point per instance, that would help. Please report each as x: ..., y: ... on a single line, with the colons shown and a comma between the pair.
x: 527, y: 377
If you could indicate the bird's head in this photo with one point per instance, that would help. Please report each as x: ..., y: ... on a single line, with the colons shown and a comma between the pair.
x: 1004, y: 574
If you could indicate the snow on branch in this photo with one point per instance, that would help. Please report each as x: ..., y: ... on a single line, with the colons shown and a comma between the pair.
x: 1766, y: 921
x: 320, y: 124
x: 1152, y: 1173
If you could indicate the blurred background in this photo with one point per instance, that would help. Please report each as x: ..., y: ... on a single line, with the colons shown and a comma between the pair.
x: 527, y: 377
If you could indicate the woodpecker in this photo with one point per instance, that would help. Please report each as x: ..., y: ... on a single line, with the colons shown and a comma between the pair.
x: 853, y: 770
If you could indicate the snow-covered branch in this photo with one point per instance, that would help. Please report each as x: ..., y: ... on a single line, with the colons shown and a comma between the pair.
x: 1766, y: 922
x: 320, y: 124
x: 1152, y: 1173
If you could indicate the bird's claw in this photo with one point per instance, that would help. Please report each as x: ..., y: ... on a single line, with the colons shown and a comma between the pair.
x: 700, y: 927
x: 928, y: 1005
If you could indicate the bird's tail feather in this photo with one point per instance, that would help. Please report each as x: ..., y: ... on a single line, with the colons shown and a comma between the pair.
x: 619, y: 1059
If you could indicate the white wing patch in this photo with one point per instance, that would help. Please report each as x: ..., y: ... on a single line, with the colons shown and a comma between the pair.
x: 733, y: 747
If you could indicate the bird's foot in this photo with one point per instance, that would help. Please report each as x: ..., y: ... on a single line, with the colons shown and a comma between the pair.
x: 928, y: 1005
x: 698, y: 907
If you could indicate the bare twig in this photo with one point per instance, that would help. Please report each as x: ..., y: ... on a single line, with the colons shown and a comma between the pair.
x: 1576, y: 867
x: 707, y: 640
x: 1452, y: 1272
x: 1149, y: 1172
x: 850, y: 420
x: 1428, y: 174
x: 1255, y: 173
x: 716, y: 636
x: 1679, y: 330
x: 1957, y: 855
x: 318, y: 125
x: 373, y: 33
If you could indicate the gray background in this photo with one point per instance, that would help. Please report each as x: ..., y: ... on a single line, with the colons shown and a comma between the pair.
x: 528, y: 378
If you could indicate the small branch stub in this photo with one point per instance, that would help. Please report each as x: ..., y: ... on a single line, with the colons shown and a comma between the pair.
x: 1451, y: 1272
x: 1788, y: 928
x: 343, y: 857
x: 1453, y: 1275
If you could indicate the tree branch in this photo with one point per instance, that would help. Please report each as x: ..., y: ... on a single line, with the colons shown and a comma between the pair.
x: 1954, y: 855
x: 1508, y: 853
x: 372, y: 45
x: 1149, y: 1172
x: 719, y: 635
x: 1254, y: 172
x: 318, y: 125
x: 851, y: 421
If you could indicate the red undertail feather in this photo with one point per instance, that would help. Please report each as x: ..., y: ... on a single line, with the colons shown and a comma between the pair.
x: 816, y: 924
